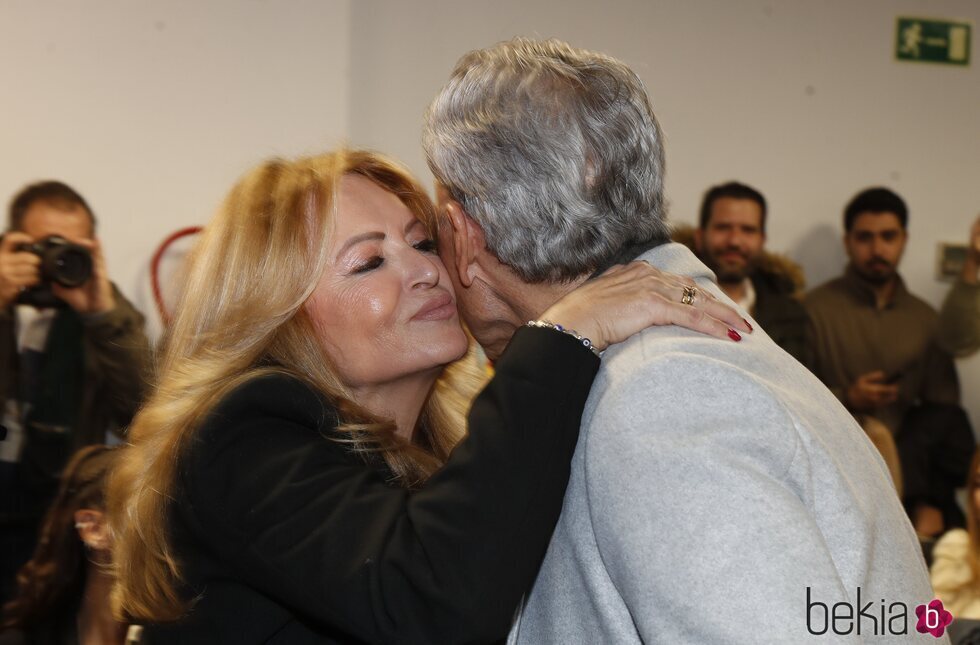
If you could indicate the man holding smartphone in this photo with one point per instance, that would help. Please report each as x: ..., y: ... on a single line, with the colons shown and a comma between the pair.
x: 875, y: 347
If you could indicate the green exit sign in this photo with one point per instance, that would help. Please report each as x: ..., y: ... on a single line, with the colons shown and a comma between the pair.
x: 933, y: 41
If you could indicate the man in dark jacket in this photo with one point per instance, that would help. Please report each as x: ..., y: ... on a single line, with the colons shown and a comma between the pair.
x: 729, y: 239
x: 875, y: 347
x: 73, y: 359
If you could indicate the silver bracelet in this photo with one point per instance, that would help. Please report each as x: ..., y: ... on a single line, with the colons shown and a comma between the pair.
x: 547, y: 324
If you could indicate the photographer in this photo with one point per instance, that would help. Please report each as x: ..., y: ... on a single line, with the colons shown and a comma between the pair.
x: 73, y: 356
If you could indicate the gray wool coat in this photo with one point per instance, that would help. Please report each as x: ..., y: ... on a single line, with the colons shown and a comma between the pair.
x: 721, y: 494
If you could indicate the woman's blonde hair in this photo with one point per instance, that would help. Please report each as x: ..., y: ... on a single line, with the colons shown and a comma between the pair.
x: 241, y: 315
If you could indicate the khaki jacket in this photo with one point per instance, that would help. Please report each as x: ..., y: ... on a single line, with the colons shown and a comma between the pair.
x: 117, y: 366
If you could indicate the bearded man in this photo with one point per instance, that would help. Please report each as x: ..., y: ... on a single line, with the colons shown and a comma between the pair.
x: 730, y: 240
x: 875, y: 348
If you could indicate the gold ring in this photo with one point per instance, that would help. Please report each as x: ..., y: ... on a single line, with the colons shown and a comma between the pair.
x: 688, y: 297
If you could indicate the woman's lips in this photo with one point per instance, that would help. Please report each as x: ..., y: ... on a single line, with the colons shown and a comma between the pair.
x: 439, y: 307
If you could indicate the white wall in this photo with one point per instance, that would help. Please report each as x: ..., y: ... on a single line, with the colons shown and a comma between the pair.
x: 802, y: 99
x: 153, y: 109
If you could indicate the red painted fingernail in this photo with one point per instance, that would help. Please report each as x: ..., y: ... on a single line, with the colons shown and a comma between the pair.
x: 748, y: 324
x: 734, y: 335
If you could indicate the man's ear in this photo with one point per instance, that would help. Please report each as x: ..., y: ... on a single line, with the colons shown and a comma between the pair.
x: 93, y: 529
x: 698, y: 239
x: 469, y: 241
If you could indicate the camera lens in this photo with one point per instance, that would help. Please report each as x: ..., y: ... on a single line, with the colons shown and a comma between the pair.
x: 71, y: 266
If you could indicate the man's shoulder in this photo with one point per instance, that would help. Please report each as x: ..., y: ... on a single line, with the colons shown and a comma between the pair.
x: 776, y: 274
x: 775, y: 286
x: 123, y: 316
x: 777, y: 301
x: 667, y: 371
x: 664, y: 403
x: 919, y: 306
x: 647, y: 354
x: 830, y: 292
x: 123, y: 303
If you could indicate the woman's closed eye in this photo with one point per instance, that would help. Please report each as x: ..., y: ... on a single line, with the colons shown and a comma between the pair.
x: 428, y: 245
x: 368, y: 264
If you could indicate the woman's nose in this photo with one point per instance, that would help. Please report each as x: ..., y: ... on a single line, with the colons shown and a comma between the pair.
x: 424, y: 270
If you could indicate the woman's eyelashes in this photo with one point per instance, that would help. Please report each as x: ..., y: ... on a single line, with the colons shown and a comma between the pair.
x: 368, y: 265
x: 427, y: 245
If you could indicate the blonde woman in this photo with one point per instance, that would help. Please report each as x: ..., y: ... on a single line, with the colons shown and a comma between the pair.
x: 303, y: 471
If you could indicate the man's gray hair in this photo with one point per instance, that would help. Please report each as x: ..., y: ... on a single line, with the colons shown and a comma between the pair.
x: 555, y: 151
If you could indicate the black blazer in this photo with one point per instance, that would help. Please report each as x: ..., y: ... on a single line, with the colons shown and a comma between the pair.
x: 286, y: 537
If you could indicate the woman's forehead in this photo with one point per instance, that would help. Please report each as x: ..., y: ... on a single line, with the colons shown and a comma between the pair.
x: 364, y: 206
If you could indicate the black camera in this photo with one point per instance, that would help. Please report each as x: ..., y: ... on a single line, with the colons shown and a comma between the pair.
x: 62, y: 262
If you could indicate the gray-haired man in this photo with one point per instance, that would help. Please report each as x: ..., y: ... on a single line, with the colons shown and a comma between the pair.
x: 719, y: 493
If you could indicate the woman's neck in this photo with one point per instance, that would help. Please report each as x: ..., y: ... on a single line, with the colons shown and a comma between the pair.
x: 96, y: 625
x: 401, y: 400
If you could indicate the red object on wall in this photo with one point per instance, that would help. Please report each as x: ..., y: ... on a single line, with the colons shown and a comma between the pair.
x: 155, y: 268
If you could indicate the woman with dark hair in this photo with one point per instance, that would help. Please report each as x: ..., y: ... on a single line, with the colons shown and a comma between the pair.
x: 62, y: 595
x: 308, y: 468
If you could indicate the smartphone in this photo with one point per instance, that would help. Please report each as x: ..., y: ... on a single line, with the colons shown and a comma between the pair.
x: 892, y: 379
